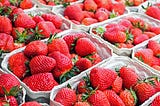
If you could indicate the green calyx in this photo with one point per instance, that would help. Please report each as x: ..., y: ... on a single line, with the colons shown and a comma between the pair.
x: 148, y: 5
x: 15, y: 2
x: 13, y: 91
x: 52, y: 37
x: 5, y: 11
x: 134, y: 95
x: 86, y: 95
x: 21, y: 37
x: 100, y: 30
x: 128, y: 3
x: 113, y: 14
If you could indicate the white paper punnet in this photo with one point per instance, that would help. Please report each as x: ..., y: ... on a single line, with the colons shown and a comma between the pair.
x: 124, y: 51
x: 110, y: 63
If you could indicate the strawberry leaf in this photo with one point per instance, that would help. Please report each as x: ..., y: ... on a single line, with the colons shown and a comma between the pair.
x: 134, y: 95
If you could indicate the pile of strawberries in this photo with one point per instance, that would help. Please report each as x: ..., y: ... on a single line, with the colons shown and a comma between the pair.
x: 105, y: 87
x: 131, y: 2
x: 150, y: 55
x: 42, y: 66
x: 127, y: 32
x: 93, y: 11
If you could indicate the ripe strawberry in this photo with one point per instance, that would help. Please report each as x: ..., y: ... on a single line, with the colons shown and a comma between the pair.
x: 90, y: 5
x: 155, y: 61
x: 117, y: 85
x: 128, y: 76
x: 102, y: 78
x: 136, y: 32
x: 88, y: 14
x: 17, y: 31
x: 140, y: 38
x: 51, y: 3
x: 31, y: 103
x: 40, y: 82
x: 8, y: 81
x: 156, y: 101
x: 88, y: 21
x: 145, y: 55
x: 5, y: 25
x: 6, y: 42
x: 102, y: 14
x: 153, y: 12
x: 118, y: 7
x: 149, y: 34
x: 103, y: 3
x: 125, y: 23
x: 155, y: 47
x: 26, y: 4
x: 144, y: 91
x: 82, y: 86
x: 66, y: 97
x: 113, y: 98
x: 81, y: 45
x: 74, y: 12
x: 128, y: 97
x: 56, y: 20
x: 156, y: 82
x: 83, y: 64
x: 46, y: 28
x: 98, y: 99
x: 25, y: 21
x: 155, y: 29
x: 10, y: 100
x: 63, y: 63
x: 95, y: 58
x: 38, y: 19
x: 82, y: 104
x: 58, y: 44
x: 137, y: 2
x: 17, y: 64
x: 36, y: 48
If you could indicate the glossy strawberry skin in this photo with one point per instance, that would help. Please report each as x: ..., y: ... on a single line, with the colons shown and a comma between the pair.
x: 40, y: 82
x: 117, y: 85
x: 90, y: 5
x: 38, y: 19
x: 156, y: 101
x: 155, y: 47
x: 82, y: 87
x: 152, y: 11
x: 82, y: 104
x: 26, y: 4
x: 6, y: 25
x: 31, y: 103
x: 66, y: 97
x: 102, y: 78
x: 139, y: 39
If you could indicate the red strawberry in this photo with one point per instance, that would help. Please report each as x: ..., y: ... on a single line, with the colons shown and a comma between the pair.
x: 41, y: 64
x: 56, y: 20
x: 145, y: 55
x: 117, y: 85
x: 6, y: 42
x: 95, y: 58
x: 153, y: 11
x: 125, y: 23
x: 66, y: 97
x: 8, y: 81
x: 63, y: 63
x: 140, y: 39
x: 5, y: 25
x: 11, y: 100
x: 83, y: 64
x: 26, y: 4
x: 38, y: 19
x: 118, y: 7
x: 103, y: 3
x: 51, y: 3
x: 149, y: 34
x: 136, y: 32
x: 102, y: 14
x: 144, y: 91
x: 40, y: 82
x: 82, y: 104
x: 31, y: 103
x: 74, y: 12
x: 156, y: 101
x: 102, y: 78
x: 155, y: 47
x: 58, y: 44
x: 81, y: 45
x: 90, y: 5
x: 89, y: 21
x: 155, y: 61
x: 88, y: 14
x: 128, y: 76
x: 113, y: 98
x: 128, y: 97
x: 82, y: 87
x: 36, y: 48
x: 137, y: 2
x: 25, y: 21
x: 155, y: 29
x: 17, y: 31
x: 98, y: 99
x: 46, y: 28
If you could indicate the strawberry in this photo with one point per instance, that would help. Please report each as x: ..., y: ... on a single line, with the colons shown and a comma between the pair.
x: 128, y: 97
x: 125, y: 23
x: 31, y: 103
x: 118, y: 7
x: 88, y: 21
x: 102, y: 14
x: 153, y: 11
x: 56, y: 20
x: 103, y: 3
x: 66, y: 97
x: 6, y: 42
x: 90, y: 5
x: 17, y: 31
x: 117, y: 85
x: 46, y: 28
x: 137, y: 2
x: 8, y: 81
x: 15, y: 12
x: 26, y: 4
x: 40, y: 82
x: 82, y: 104
x: 144, y: 91
x: 98, y: 98
x: 88, y: 14
x: 155, y: 61
x: 155, y: 29
x: 113, y: 98
x: 140, y: 38
x: 149, y: 34
x: 102, y: 78
x: 82, y: 87
x: 157, y: 67
x: 83, y: 64
x: 145, y: 55
x: 63, y: 63
x: 156, y: 101
x: 155, y: 47
x: 128, y: 76
x: 36, y: 48
x: 5, y: 25
x: 41, y: 64
x: 136, y: 32
x: 58, y: 44
x: 81, y: 45
x: 74, y: 12
x: 11, y: 100
x: 51, y: 3
x: 95, y: 58
x: 38, y: 19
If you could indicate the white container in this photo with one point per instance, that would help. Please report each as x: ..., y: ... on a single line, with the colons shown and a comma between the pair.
x: 124, y: 51
x: 111, y: 63
x: 103, y: 50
